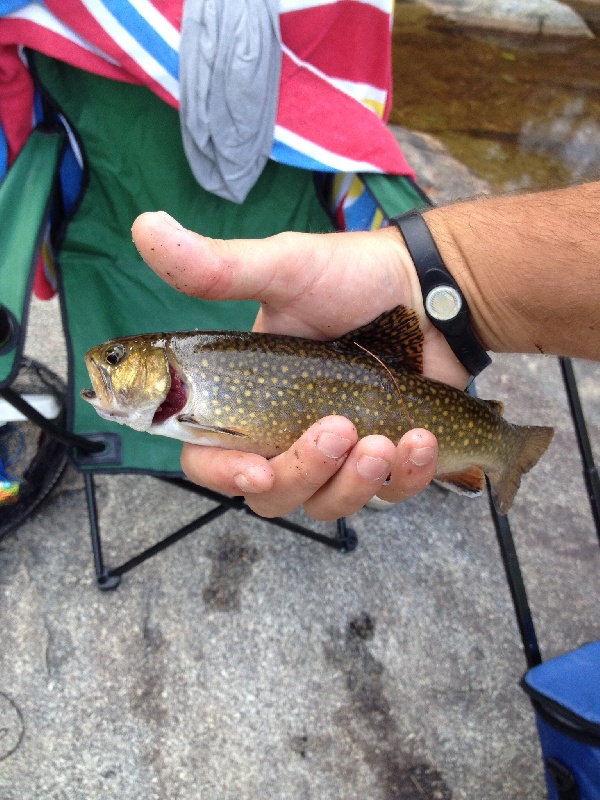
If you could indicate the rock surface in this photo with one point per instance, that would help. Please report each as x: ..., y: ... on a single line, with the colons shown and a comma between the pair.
x: 442, y: 177
x: 532, y: 17
x: 246, y: 662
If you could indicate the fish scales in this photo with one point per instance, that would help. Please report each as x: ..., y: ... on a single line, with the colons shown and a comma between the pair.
x: 275, y: 392
x: 259, y: 392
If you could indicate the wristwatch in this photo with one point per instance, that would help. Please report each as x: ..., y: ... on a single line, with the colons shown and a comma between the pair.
x: 445, y: 304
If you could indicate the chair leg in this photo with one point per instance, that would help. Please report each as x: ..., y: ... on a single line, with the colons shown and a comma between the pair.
x: 590, y: 471
x: 516, y: 585
x: 346, y: 537
x: 345, y: 540
x: 104, y: 579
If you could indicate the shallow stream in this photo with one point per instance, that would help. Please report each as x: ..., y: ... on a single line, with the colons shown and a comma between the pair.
x: 521, y: 112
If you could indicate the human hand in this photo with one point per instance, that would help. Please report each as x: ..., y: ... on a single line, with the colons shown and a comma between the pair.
x: 316, y: 286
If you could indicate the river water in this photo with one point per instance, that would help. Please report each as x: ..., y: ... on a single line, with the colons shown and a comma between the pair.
x: 521, y: 112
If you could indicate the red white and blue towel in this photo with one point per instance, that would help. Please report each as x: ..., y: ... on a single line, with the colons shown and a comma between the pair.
x: 334, y: 92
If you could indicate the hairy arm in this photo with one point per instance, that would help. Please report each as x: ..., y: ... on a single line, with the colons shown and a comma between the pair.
x: 529, y: 266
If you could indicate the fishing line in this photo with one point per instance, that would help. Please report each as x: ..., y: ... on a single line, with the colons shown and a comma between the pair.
x: 391, y: 374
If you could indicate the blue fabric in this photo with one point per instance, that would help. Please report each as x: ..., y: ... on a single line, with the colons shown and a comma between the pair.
x: 71, y: 168
x: 151, y: 40
x: 6, y: 6
x: 581, y: 759
x: 3, y: 154
x: 573, y: 680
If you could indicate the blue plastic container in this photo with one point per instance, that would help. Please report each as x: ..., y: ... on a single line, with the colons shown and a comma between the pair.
x: 565, y: 693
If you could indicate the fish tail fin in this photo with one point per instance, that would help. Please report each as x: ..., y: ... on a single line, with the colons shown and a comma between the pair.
x: 530, y: 445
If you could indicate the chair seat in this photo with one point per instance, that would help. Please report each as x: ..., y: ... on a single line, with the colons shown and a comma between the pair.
x: 135, y: 162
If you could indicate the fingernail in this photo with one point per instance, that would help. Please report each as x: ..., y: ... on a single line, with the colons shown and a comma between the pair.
x: 170, y: 221
x: 243, y: 483
x: 421, y: 456
x: 332, y: 445
x: 372, y: 469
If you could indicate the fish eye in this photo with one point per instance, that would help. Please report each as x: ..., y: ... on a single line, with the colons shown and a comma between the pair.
x: 115, y: 354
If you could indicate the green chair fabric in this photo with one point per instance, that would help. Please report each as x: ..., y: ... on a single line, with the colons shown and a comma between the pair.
x: 134, y: 162
x: 132, y: 147
x: 25, y: 195
x: 133, y: 159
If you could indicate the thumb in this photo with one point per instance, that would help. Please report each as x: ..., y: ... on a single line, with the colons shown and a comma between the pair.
x: 216, y: 269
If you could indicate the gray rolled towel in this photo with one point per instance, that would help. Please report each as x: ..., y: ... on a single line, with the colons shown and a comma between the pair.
x: 229, y: 70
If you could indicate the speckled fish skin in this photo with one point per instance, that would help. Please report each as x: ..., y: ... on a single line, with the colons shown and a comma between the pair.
x: 259, y: 392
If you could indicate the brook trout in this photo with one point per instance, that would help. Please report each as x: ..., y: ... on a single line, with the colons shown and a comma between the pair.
x: 259, y: 392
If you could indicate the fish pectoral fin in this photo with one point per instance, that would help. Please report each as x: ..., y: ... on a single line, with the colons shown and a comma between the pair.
x: 193, y: 422
x: 469, y: 482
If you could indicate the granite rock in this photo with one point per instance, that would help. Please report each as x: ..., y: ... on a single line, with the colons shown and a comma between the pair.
x: 531, y: 17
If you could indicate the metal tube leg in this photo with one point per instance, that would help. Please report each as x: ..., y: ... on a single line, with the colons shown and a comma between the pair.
x: 104, y: 579
x: 590, y: 471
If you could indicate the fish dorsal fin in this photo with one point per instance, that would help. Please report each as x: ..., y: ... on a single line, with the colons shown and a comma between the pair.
x: 394, y: 337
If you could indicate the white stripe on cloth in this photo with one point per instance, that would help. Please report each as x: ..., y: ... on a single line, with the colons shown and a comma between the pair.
x: 334, y: 161
x: 132, y: 47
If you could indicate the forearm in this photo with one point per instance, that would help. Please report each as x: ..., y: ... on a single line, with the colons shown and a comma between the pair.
x: 529, y: 267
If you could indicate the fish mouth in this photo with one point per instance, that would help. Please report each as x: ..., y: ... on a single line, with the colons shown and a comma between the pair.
x: 92, y: 398
x: 101, y: 397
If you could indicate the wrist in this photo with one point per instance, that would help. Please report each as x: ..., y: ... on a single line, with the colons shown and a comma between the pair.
x: 459, y: 264
x: 445, y: 304
x: 439, y: 361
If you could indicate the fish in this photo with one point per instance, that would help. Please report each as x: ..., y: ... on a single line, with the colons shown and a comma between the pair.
x: 258, y: 392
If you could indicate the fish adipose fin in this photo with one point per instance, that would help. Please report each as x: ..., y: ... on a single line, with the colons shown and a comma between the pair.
x: 394, y: 336
x: 496, y: 406
x: 533, y: 441
x: 470, y: 482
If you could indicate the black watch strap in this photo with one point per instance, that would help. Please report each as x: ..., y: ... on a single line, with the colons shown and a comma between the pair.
x: 444, y: 302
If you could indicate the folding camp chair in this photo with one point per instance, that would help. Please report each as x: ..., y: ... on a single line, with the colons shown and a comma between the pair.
x: 565, y: 691
x: 105, y: 290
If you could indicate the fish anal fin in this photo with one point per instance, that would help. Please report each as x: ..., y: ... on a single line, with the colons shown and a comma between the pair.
x: 395, y: 337
x: 470, y: 481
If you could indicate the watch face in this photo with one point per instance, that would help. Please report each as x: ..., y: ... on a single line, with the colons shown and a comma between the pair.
x: 443, y: 303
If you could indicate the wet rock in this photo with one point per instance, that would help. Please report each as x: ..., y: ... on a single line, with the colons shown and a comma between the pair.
x: 534, y: 17
x: 440, y: 175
